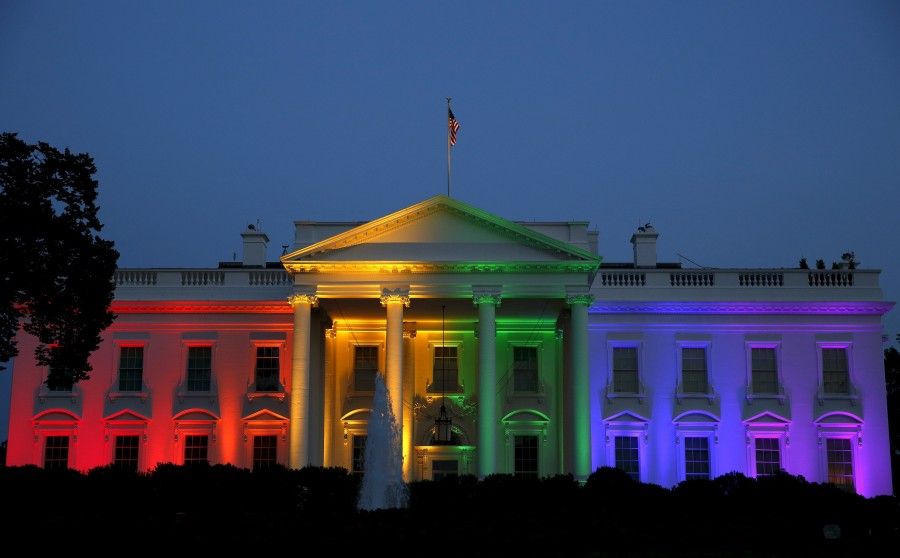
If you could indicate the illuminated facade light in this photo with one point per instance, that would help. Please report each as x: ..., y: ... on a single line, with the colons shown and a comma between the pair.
x: 506, y: 347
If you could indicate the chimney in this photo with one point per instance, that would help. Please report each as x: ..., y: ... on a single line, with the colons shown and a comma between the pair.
x: 254, y: 247
x: 644, y: 242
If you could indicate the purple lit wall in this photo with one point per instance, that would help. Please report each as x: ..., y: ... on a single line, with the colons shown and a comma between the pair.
x: 801, y: 421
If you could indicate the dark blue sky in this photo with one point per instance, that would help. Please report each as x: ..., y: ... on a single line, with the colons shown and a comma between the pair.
x: 750, y: 134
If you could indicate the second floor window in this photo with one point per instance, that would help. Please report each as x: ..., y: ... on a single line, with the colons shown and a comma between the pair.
x: 199, y: 368
x: 131, y: 369
x: 764, y: 370
x: 525, y: 369
x: 625, y: 370
x: 693, y: 370
x: 835, y: 371
x: 445, y: 372
x: 365, y: 367
x: 267, y: 369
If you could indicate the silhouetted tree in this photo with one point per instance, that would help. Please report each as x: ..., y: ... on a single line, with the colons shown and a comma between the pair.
x: 56, y: 273
x: 892, y: 383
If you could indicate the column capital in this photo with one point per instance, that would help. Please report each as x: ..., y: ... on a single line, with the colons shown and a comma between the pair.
x: 303, y: 295
x: 399, y: 294
x: 486, y: 294
x: 583, y: 299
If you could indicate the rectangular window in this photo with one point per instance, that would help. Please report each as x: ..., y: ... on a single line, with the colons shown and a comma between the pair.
x: 525, y: 369
x: 526, y: 457
x: 267, y: 369
x: 764, y: 370
x: 265, y: 452
x: 693, y: 370
x: 131, y: 369
x: 58, y: 387
x: 358, y: 465
x: 768, y: 456
x: 199, y: 368
x: 445, y: 372
x: 196, y: 449
x: 840, y: 462
x: 835, y: 371
x: 365, y: 367
x: 625, y: 370
x: 125, y: 456
x: 444, y: 469
x: 56, y: 452
x: 628, y: 456
x: 696, y: 458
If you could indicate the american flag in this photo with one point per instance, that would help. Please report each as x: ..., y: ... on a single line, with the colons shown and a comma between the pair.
x: 452, y: 126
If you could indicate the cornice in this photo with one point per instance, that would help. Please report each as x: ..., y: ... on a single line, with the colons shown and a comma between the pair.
x: 743, y: 307
x: 201, y: 307
x: 372, y: 229
x: 440, y: 267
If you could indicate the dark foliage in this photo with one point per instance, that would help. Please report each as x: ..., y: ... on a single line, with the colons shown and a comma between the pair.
x: 892, y: 383
x: 313, y: 511
x: 56, y: 273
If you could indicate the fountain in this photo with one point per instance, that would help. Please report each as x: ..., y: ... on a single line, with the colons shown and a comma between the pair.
x: 382, y: 485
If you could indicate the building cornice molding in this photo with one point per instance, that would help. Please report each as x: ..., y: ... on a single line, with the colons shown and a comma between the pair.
x: 201, y: 306
x: 371, y: 230
x: 743, y: 307
x: 440, y: 267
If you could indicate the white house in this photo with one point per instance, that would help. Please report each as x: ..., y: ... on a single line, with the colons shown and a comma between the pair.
x: 547, y: 360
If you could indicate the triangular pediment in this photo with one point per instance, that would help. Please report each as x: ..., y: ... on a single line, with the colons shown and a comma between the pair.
x: 767, y: 418
x: 440, y: 229
x: 126, y: 416
x: 265, y: 415
x: 626, y: 417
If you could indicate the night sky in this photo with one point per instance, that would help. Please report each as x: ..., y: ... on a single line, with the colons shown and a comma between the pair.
x: 749, y: 134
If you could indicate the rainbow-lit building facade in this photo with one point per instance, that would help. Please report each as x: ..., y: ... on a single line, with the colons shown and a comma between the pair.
x: 545, y: 359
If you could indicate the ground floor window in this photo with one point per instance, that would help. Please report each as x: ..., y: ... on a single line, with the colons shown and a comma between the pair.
x: 525, y: 460
x: 768, y: 456
x: 196, y: 449
x: 444, y: 469
x: 358, y: 459
x: 628, y: 456
x: 839, y: 454
x: 125, y: 454
x: 56, y: 452
x: 265, y: 451
x: 696, y: 458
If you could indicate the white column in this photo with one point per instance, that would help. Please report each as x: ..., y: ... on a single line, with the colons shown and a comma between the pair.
x: 302, y: 301
x: 487, y: 299
x: 409, y: 389
x: 580, y: 385
x: 329, y: 388
x: 394, y: 300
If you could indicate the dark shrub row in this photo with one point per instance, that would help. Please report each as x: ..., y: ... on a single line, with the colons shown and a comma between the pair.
x: 278, y: 509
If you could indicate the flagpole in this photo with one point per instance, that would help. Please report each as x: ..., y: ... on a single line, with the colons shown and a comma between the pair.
x: 448, y: 150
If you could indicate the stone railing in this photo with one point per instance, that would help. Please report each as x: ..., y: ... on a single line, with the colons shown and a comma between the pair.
x: 736, y: 279
x: 208, y: 278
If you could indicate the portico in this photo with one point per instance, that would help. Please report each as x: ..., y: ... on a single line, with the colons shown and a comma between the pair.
x: 380, y: 287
